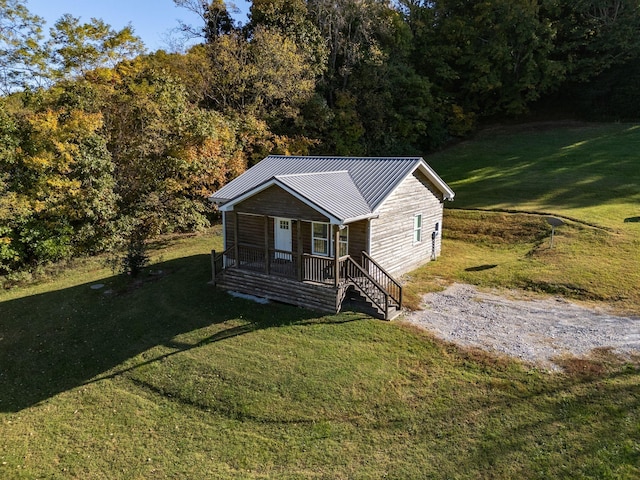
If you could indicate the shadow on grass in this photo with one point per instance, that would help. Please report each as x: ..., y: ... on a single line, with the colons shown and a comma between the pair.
x: 632, y: 220
x: 53, y: 342
x: 596, y: 410
x: 480, y: 268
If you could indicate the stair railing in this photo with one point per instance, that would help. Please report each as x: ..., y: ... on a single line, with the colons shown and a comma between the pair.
x: 367, y: 285
x: 383, y: 278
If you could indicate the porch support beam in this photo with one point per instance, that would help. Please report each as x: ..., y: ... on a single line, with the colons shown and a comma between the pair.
x: 336, y: 254
x: 299, y: 248
x: 266, y: 244
x: 236, y: 239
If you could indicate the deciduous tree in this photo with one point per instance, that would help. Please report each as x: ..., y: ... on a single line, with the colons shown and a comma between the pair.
x: 78, y: 48
x: 23, y: 57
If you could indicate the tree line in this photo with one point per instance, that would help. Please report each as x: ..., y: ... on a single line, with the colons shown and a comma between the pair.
x: 104, y: 146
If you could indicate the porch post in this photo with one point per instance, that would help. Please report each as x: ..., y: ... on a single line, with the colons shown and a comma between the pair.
x: 336, y: 254
x: 236, y: 239
x: 213, y: 267
x: 299, y: 249
x: 266, y: 244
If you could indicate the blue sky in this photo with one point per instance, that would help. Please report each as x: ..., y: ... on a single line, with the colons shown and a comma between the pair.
x: 152, y: 20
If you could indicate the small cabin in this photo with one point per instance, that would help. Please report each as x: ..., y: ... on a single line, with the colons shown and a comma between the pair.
x: 326, y: 232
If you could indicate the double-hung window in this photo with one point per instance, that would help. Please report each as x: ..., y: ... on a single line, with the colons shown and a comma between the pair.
x: 322, y: 240
x: 417, y: 228
x: 344, y: 241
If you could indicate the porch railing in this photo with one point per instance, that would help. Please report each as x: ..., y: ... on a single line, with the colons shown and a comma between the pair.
x: 253, y: 258
x: 369, y: 277
x: 371, y: 289
x: 320, y: 269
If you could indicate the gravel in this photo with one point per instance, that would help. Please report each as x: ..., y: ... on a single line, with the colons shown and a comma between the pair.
x: 535, y: 331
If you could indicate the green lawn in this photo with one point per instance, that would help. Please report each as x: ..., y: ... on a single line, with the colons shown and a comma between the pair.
x: 169, y: 378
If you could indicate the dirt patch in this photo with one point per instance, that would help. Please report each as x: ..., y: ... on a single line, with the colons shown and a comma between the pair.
x: 536, y: 331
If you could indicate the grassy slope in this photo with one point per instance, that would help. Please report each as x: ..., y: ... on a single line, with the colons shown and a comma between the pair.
x: 590, y: 174
x: 172, y: 379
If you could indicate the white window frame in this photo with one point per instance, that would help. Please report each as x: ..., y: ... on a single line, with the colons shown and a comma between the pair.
x: 326, y: 239
x: 344, y: 232
x: 417, y: 228
x: 343, y: 244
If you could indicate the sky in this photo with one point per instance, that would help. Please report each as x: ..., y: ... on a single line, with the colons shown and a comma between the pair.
x: 152, y: 20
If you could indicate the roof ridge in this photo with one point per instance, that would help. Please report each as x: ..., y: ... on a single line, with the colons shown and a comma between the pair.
x: 320, y: 172
x: 310, y: 157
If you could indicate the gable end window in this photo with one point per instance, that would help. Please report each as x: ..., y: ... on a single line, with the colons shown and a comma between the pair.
x: 417, y: 228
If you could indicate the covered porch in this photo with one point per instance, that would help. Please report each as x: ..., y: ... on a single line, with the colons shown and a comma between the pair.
x: 298, y: 274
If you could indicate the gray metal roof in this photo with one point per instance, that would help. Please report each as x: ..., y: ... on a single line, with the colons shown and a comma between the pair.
x: 333, y: 192
x: 374, y: 178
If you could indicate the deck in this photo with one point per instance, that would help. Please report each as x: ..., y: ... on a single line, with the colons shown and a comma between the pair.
x: 309, y: 281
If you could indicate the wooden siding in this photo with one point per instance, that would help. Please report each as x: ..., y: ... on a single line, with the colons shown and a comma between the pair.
x: 322, y: 298
x: 251, y: 230
x: 358, y: 238
x: 228, y: 222
x: 392, y: 232
x: 276, y: 202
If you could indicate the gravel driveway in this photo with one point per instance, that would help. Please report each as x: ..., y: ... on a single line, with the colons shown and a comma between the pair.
x: 533, y: 330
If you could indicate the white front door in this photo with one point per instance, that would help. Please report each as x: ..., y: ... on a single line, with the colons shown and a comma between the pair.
x: 282, y: 238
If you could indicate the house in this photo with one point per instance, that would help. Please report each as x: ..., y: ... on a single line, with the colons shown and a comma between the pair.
x: 320, y: 231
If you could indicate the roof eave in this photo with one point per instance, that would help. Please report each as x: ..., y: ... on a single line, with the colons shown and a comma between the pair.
x: 368, y: 216
x: 431, y: 174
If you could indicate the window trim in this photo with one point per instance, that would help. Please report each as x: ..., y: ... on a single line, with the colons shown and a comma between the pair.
x: 325, y: 239
x: 417, y: 228
x: 329, y: 240
x: 341, y: 242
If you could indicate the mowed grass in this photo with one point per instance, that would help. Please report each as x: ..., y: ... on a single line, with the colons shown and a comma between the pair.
x: 173, y: 379
x: 169, y: 378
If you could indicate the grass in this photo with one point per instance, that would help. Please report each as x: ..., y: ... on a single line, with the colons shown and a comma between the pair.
x: 586, y: 172
x: 173, y: 379
x: 169, y: 378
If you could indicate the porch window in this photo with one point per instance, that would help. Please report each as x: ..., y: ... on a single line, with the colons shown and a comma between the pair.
x: 320, y: 238
x: 322, y: 241
x: 417, y: 228
x: 344, y: 241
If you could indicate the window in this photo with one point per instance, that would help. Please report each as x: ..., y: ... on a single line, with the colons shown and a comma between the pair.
x: 417, y: 228
x: 284, y: 224
x: 320, y: 238
x: 344, y: 241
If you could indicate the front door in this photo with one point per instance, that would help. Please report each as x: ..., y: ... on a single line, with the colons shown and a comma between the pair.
x: 282, y: 238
